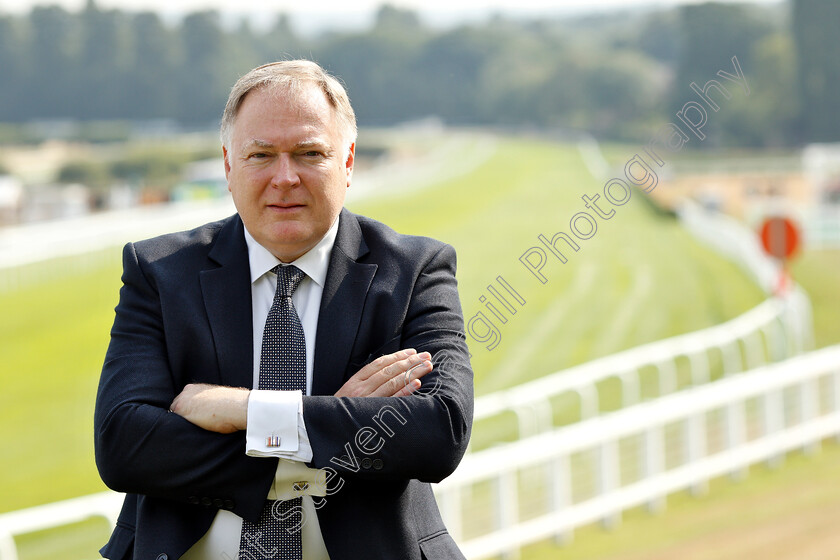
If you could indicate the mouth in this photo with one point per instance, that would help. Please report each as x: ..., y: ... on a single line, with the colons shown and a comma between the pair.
x: 285, y: 207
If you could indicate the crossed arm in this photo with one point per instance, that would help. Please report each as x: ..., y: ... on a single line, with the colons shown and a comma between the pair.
x: 221, y: 409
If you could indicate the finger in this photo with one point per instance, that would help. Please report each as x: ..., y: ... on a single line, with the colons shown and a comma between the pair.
x: 385, y: 361
x: 403, y: 379
x: 408, y: 389
x: 399, y: 368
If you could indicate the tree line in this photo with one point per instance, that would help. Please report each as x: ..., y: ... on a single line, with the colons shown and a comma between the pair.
x: 614, y: 75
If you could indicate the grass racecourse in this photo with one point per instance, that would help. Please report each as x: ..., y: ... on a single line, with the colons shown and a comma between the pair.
x: 639, y: 278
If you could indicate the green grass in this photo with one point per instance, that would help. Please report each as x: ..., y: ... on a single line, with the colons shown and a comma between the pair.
x: 818, y: 272
x: 639, y: 279
x: 732, y: 514
x: 53, y: 337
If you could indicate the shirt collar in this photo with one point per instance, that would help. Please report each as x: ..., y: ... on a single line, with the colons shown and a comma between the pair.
x: 313, y: 263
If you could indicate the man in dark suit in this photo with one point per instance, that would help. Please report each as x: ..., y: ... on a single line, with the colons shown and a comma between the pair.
x: 210, y: 459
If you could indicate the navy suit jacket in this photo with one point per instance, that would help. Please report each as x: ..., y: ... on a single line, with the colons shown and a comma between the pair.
x: 184, y: 316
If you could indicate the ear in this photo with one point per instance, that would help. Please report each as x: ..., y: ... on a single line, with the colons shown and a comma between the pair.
x: 227, y: 164
x: 348, y: 165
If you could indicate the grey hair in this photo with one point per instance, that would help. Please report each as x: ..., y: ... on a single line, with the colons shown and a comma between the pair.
x: 290, y: 76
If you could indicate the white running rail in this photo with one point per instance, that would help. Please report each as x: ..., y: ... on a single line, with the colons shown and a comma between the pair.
x: 776, y: 329
x: 38, y: 518
x: 547, y: 485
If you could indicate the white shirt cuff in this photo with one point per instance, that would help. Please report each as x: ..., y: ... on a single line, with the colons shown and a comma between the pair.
x: 275, y: 426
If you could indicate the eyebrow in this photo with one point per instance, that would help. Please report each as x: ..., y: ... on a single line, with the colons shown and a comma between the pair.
x: 257, y: 143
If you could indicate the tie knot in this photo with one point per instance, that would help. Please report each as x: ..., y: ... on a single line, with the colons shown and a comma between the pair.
x: 288, y: 278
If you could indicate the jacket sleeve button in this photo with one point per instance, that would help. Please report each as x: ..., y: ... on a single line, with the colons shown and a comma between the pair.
x: 205, y: 501
x: 378, y: 464
x: 366, y: 463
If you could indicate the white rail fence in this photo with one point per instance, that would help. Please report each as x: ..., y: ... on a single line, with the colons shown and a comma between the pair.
x: 733, y: 240
x: 547, y: 485
x: 776, y: 329
x: 821, y: 227
x: 105, y: 504
x: 28, y: 252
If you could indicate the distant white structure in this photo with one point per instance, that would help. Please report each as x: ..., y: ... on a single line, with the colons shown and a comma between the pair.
x: 11, y: 197
x: 821, y: 220
x: 821, y: 165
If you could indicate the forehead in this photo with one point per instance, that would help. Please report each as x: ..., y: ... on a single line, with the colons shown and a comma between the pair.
x: 271, y: 110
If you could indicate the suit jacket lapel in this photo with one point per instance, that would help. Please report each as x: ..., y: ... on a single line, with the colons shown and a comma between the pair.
x: 227, y: 299
x: 342, y: 303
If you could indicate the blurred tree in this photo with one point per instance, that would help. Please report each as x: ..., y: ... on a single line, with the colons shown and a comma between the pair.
x: 659, y: 36
x: 711, y: 34
x: 514, y: 85
x: 103, y: 60
x: 391, y: 18
x: 51, y: 60
x: 159, y: 168
x: 12, y: 59
x: 280, y: 42
x: 613, y: 74
x: 243, y: 52
x: 769, y: 116
x: 203, y: 77
x: 450, y: 67
x: 92, y: 174
x: 815, y: 24
x: 153, y: 73
x: 379, y: 69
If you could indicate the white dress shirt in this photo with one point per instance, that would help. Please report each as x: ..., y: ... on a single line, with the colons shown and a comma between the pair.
x: 279, y: 413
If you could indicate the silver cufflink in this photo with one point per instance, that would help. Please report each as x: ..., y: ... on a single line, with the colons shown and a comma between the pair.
x: 272, y: 441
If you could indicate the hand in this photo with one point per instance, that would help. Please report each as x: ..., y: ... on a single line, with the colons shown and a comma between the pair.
x: 386, y: 376
x: 213, y: 407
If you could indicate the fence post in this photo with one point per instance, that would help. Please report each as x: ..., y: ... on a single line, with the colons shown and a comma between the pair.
x: 667, y: 376
x: 773, y: 420
x: 451, y: 510
x: 736, y: 434
x: 507, y: 508
x: 732, y: 362
x: 8, y: 548
x: 631, y: 392
x: 609, y: 475
x: 835, y: 394
x: 774, y: 341
x: 755, y: 355
x: 695, y: 435
x: 561, y: 493
x: 809, y: 404
x: 589, y: 406
x: 654, y: 463
x: 699, y: 364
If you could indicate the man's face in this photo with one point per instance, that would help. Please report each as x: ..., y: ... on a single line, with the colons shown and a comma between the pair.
x: 288, y: 169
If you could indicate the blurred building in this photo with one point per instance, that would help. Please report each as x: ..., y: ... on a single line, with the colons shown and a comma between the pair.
x: 806, y: 188
x: 11, y: 199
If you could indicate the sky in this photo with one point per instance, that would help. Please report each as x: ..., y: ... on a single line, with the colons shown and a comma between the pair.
x: 355, y: 13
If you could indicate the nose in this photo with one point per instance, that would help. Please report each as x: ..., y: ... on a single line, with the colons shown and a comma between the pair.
x: 285, y: 173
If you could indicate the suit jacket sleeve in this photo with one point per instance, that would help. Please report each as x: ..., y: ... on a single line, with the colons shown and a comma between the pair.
x: 422, y: 436
x: 141, y: 447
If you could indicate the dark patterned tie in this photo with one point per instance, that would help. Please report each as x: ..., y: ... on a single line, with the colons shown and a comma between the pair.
x: 283, y: 368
